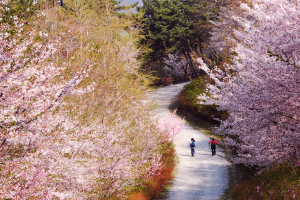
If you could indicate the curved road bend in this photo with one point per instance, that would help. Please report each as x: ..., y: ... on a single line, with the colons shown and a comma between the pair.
x: 203, y: 176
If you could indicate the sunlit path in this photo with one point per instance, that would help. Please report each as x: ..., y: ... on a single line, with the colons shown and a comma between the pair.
x: 203, y: 176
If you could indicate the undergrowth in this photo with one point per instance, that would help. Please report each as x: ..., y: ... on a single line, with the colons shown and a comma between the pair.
x: 189, y: 99
x: 153, y: 187
x: 279, y: 182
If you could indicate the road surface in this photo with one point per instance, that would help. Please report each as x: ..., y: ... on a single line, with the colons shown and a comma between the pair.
x: 203, y: 176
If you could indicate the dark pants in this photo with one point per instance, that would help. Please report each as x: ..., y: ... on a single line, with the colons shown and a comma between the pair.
x: 213, y: 150
x: 192, y: 151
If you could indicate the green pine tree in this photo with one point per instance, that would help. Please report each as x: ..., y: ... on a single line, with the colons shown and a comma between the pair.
x: 174, y: 26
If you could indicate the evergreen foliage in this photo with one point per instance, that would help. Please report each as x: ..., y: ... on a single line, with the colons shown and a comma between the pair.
x: 166, y: 27
x: 176, y: 27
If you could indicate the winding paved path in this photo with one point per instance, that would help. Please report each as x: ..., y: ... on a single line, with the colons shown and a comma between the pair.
x: 203, y: 176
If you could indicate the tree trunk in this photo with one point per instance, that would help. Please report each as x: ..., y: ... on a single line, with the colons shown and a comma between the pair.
x: 191, y: 62
x: 186, y: 67
x: 201, y: 50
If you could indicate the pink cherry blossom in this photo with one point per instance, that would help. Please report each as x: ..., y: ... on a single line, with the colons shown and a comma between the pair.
x: 74, y: 131
x: 260, y: 91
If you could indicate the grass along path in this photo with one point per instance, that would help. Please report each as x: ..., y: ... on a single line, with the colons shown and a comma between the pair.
x: 203, y: 176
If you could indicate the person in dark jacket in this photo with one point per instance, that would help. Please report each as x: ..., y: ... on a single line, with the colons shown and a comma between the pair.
x: 213, y: 144
x: 192, y: 146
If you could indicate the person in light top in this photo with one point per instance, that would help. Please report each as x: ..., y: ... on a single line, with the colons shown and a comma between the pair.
x: 192, y: 146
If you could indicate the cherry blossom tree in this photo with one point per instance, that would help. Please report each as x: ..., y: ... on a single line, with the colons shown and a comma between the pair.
x: 171, y: 125
x: 75, y: 117
x: 174, y: 65
x: 261, y: 89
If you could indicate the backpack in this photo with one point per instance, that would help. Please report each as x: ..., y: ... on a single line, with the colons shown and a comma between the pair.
x: 213, y: 144
x: 193, y: 144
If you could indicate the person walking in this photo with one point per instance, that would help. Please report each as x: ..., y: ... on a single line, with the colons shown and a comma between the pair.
x: 213, y: 144
x: 192, y: 146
